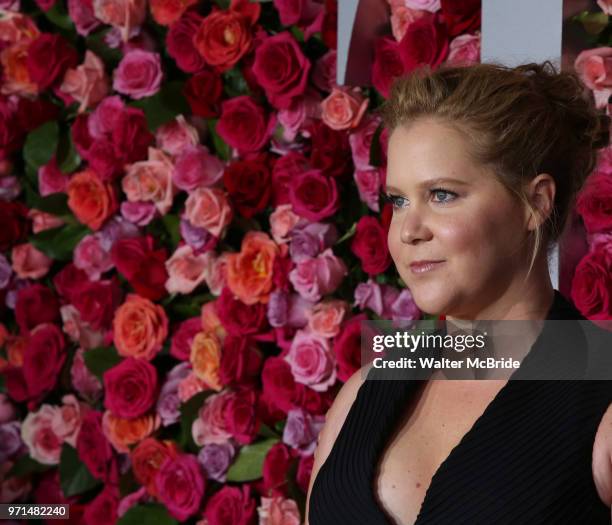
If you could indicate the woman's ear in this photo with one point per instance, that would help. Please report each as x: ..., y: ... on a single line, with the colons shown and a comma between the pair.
x: 540, y: 192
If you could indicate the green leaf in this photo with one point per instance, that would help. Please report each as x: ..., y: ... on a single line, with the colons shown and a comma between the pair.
x: 172, y: 224
x: 267, y: 432
x: 40, y: 145
x: 593, y: 23
x: 297, y: 33
x: 99, y: 360
x: 95, y: 42
x: 375, y: 148
x: 189, y: 412
x: 249, y: 463
x: 221, y: 147
x: 164, y: 105
x: 349, y: 233
x: 223, y: 4
x: 75, y: 477
x: 234, y: 83
x: 151, y: 514
x: 280, y: 426
x: 59, y: 243
x: 55, y: 204
x: 26, y: 465
x: 59, y: 16
x: 68, y: 159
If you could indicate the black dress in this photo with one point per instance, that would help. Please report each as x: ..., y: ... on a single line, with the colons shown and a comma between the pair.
x: 526, y: 460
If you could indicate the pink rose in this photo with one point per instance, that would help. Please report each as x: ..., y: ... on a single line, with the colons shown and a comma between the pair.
x: 300, y: 114
x: 84, y: 382
x: 315, y: 277
x: 186, y: 270
x: 28, y: 262
x: 593, y: 67
x: 139, y: 74
x: 88, y: 84
x: 196, y: 167
x: 126, y: 15
x: 216, y: 278
x: 175, y: 136
x: 51, y: 179
x: 324, y: 74
x: 92, y: 255
x: 44, y: 445
x: 42, y: 221
x: 209, y: 208
x: 464, y: 50
x: 312, y: 361
x: 606, y: 6
x: 244, y: 124
x: 151, y: 181
x: 426, y: 5
x: 401, y: 18
x: 325, y: 318
x: 78, y: 330
x: 81, y: 13
x: 278, y: 511
x: 344, y: 107
x: 361, y: 142
x: 139, y: 213
x: 190, y: 386
x: 180, y: 485
x: 369, y: 183
x: 281, y: 69
x: 130, y: 388
x: 66, y: 420
x: 103, y: 120
x: 282, y: 221
x: 7, y: 409
x: 210, y: 426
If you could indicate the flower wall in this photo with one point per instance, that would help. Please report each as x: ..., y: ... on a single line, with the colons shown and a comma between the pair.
x: 191, y: 230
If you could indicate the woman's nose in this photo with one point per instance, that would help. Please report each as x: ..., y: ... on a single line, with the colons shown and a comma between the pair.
x: 414, y: 227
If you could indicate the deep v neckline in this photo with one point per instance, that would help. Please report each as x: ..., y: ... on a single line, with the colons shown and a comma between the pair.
x: 559, y: 309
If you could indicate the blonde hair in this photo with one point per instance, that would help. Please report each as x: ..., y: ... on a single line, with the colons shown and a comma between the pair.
x: 520, y: 121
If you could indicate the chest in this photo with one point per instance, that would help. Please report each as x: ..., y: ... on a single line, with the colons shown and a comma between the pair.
x: 434, y: 422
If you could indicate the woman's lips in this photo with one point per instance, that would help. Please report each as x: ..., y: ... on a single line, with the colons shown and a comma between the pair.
x: 424, y: 266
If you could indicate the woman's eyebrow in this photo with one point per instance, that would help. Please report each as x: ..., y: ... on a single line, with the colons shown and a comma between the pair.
x: 430, y: 182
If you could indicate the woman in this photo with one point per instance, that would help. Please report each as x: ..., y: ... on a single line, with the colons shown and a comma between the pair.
x: 484, y: 164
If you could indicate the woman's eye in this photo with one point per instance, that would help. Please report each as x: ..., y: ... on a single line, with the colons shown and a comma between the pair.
x: 443, y: 195
x: 394, y: 200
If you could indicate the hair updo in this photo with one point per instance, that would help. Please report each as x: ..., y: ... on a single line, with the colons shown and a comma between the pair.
x: 520, y: 121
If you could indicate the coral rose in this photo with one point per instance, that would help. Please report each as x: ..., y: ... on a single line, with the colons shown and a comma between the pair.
x: 91, y: 200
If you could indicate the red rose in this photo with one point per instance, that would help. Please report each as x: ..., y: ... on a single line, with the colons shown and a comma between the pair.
x: 49, y: 56
x: 240, y: 361
x: 244, y: 124
x: 594, y: 203
x: 347, y: 347
x: 285, y: 168
x: 102, y: 157
x: 461, y: 16
x: 69, y: 280
x: 282, y: 69
x: 370, y: 245
x: 239, y: 318
x: 592, y: 284
x: 329, y: 31
x: 93, y: 448
x: 130, y: 388
x: 34, y: 113
x: 183, y: 337
x: 180, y: 45
x: 280, y: 273
x: 278, y: 382
x: 314, y: 196
x: 43, y: 359
x: 203, y: 91
x: 180, y: 485
x: 11, y: 133
x: 387, y: 64
x: 231, y: 506
x: 304, y: 472
x: 15, y: 223
x: 317, y: 403
x: 131, y: 136
x: 142, y: 265
x: 331, y: 151
x: 102, y: 510
x: 97, y: 301
x: 241, y: 417
x: 275, y: 468
x: 386, y: 215
x: 45, y: 5
x: 248, y: 183
x: 80, y: 135
x: 425, y: 42
x: 226, y: 35
x: 36, y: 304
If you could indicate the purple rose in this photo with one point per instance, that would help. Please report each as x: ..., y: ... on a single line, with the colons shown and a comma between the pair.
x: 310, y: 239
x: 216, y: 459
x: 10, y: 440
x: 168, y: 405
x: 139, y: 74
x: 5, y: 272
x: 404, y: 308
x: 197, y: 238
x: 301, y: 431
x: 278, y: 306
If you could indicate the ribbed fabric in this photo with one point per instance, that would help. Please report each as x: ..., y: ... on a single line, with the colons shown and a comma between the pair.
x: 526, y: 460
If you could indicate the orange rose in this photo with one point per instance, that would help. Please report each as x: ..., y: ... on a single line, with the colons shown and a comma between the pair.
x: 249, y: 273
x: 17, y: 80
x: 325, y: 318
x: 91, y: 200
x: 15, y: 348
x: 166, y: 12
x: 205, y: 358
x: 139, y: 328
x: 122, y: 432
x: 225, y: 36
x: 211, y: 321
x: 147, y: 457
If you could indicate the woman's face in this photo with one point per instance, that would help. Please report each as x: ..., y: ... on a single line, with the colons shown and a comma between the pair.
x: 469, y: 221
